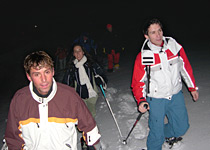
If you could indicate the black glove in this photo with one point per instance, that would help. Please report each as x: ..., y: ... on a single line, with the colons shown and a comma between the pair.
x: 95, y: 147
x: 100, y: 81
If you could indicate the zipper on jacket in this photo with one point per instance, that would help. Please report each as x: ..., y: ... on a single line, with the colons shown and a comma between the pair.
x: 66, y: 125
x: 37, y: 125
x: 68, y: 145
x: 89, y: 139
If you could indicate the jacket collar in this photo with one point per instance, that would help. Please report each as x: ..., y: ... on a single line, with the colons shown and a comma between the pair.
x: 169, y: 43
x: 43, y: 99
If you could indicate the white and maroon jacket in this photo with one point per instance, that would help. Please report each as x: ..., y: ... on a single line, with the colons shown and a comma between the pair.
x: 36, y: 123
x: 168, y: 64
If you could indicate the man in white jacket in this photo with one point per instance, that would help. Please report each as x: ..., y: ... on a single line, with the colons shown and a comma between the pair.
x: 43, y: 115
x: 157, y: 82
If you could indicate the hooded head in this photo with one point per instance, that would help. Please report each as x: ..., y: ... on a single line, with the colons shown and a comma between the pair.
x: 109, y: 27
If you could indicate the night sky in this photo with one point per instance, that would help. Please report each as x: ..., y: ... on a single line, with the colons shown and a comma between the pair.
x: 22, y: 22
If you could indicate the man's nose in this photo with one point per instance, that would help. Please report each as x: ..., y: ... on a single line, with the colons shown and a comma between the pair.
x: 43, y: 78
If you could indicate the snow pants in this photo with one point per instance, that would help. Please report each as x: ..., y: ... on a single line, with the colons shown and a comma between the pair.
x: 176, y: 113
x: 113, y: 58
x: 91, y: 104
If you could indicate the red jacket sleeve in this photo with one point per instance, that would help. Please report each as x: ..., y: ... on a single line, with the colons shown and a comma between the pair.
x: 187, y: 72
x: 138, y: 85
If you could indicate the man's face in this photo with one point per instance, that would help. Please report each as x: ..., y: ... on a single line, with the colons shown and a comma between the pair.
x: 41, y: 78
x: 155, y: 34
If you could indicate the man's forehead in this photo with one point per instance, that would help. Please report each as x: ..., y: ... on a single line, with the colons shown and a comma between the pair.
x: 39, y: 67
x: 154, y: 26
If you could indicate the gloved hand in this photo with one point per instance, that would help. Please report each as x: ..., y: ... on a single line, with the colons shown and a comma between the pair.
x: 100, y: 81
x: 95, y: 147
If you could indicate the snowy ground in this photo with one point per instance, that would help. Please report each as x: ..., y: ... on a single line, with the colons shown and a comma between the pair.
x: 122, y: 102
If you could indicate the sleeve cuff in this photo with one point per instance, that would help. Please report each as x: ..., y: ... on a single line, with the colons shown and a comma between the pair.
x: 193, y: 89
x: 142, y: 99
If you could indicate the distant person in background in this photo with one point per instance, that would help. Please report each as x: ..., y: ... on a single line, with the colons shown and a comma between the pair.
x: 43, y: 115
x: 88, y: 43
x: 112, y: 46
x: 61, y: 55
x: 60, y: 63
x: 158, y: 71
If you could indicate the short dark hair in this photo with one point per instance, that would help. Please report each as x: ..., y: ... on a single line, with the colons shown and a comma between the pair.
x: 150, y: 22
x: 38, y: 60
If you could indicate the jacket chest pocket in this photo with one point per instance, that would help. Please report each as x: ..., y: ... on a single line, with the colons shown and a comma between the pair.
x: 174, y: 62
x: 156, y: 68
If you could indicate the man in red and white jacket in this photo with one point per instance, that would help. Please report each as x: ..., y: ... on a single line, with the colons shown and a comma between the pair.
x: 157, y: 81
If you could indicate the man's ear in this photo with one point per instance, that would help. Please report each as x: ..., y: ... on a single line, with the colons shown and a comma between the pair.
x: 28, y: 76
x: 146, y: 36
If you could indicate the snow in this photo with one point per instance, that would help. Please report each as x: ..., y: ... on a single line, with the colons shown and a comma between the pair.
x: 122, y: 101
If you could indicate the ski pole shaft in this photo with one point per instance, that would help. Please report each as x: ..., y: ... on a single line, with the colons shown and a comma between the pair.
x: 137, y: 119
x: 111, y: 111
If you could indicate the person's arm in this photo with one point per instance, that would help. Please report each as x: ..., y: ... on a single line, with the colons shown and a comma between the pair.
x: 187, y: 74
x: 138, y: 81
x: 68, y: 78
x: 87, y: 124
x: 100, y: 77
x: 12, y: 133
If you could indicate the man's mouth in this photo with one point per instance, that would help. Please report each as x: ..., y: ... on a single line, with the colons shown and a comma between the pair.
x: 44, y: 85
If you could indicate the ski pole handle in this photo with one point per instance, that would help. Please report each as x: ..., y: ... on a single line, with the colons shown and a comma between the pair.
x: 139, y: 116
x: 145, y: 106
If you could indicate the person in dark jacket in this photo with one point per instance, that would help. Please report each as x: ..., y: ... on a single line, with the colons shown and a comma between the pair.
x: 112, y: 47
x: 85, y: 75
x: 88, y: 43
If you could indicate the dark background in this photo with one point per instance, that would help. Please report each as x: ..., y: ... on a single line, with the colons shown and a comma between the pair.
x: 63, y: 22
x: 60, y: 23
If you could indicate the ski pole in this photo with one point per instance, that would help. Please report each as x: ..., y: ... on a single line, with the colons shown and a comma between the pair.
x: 137, y: 119
x: 111, y: 111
